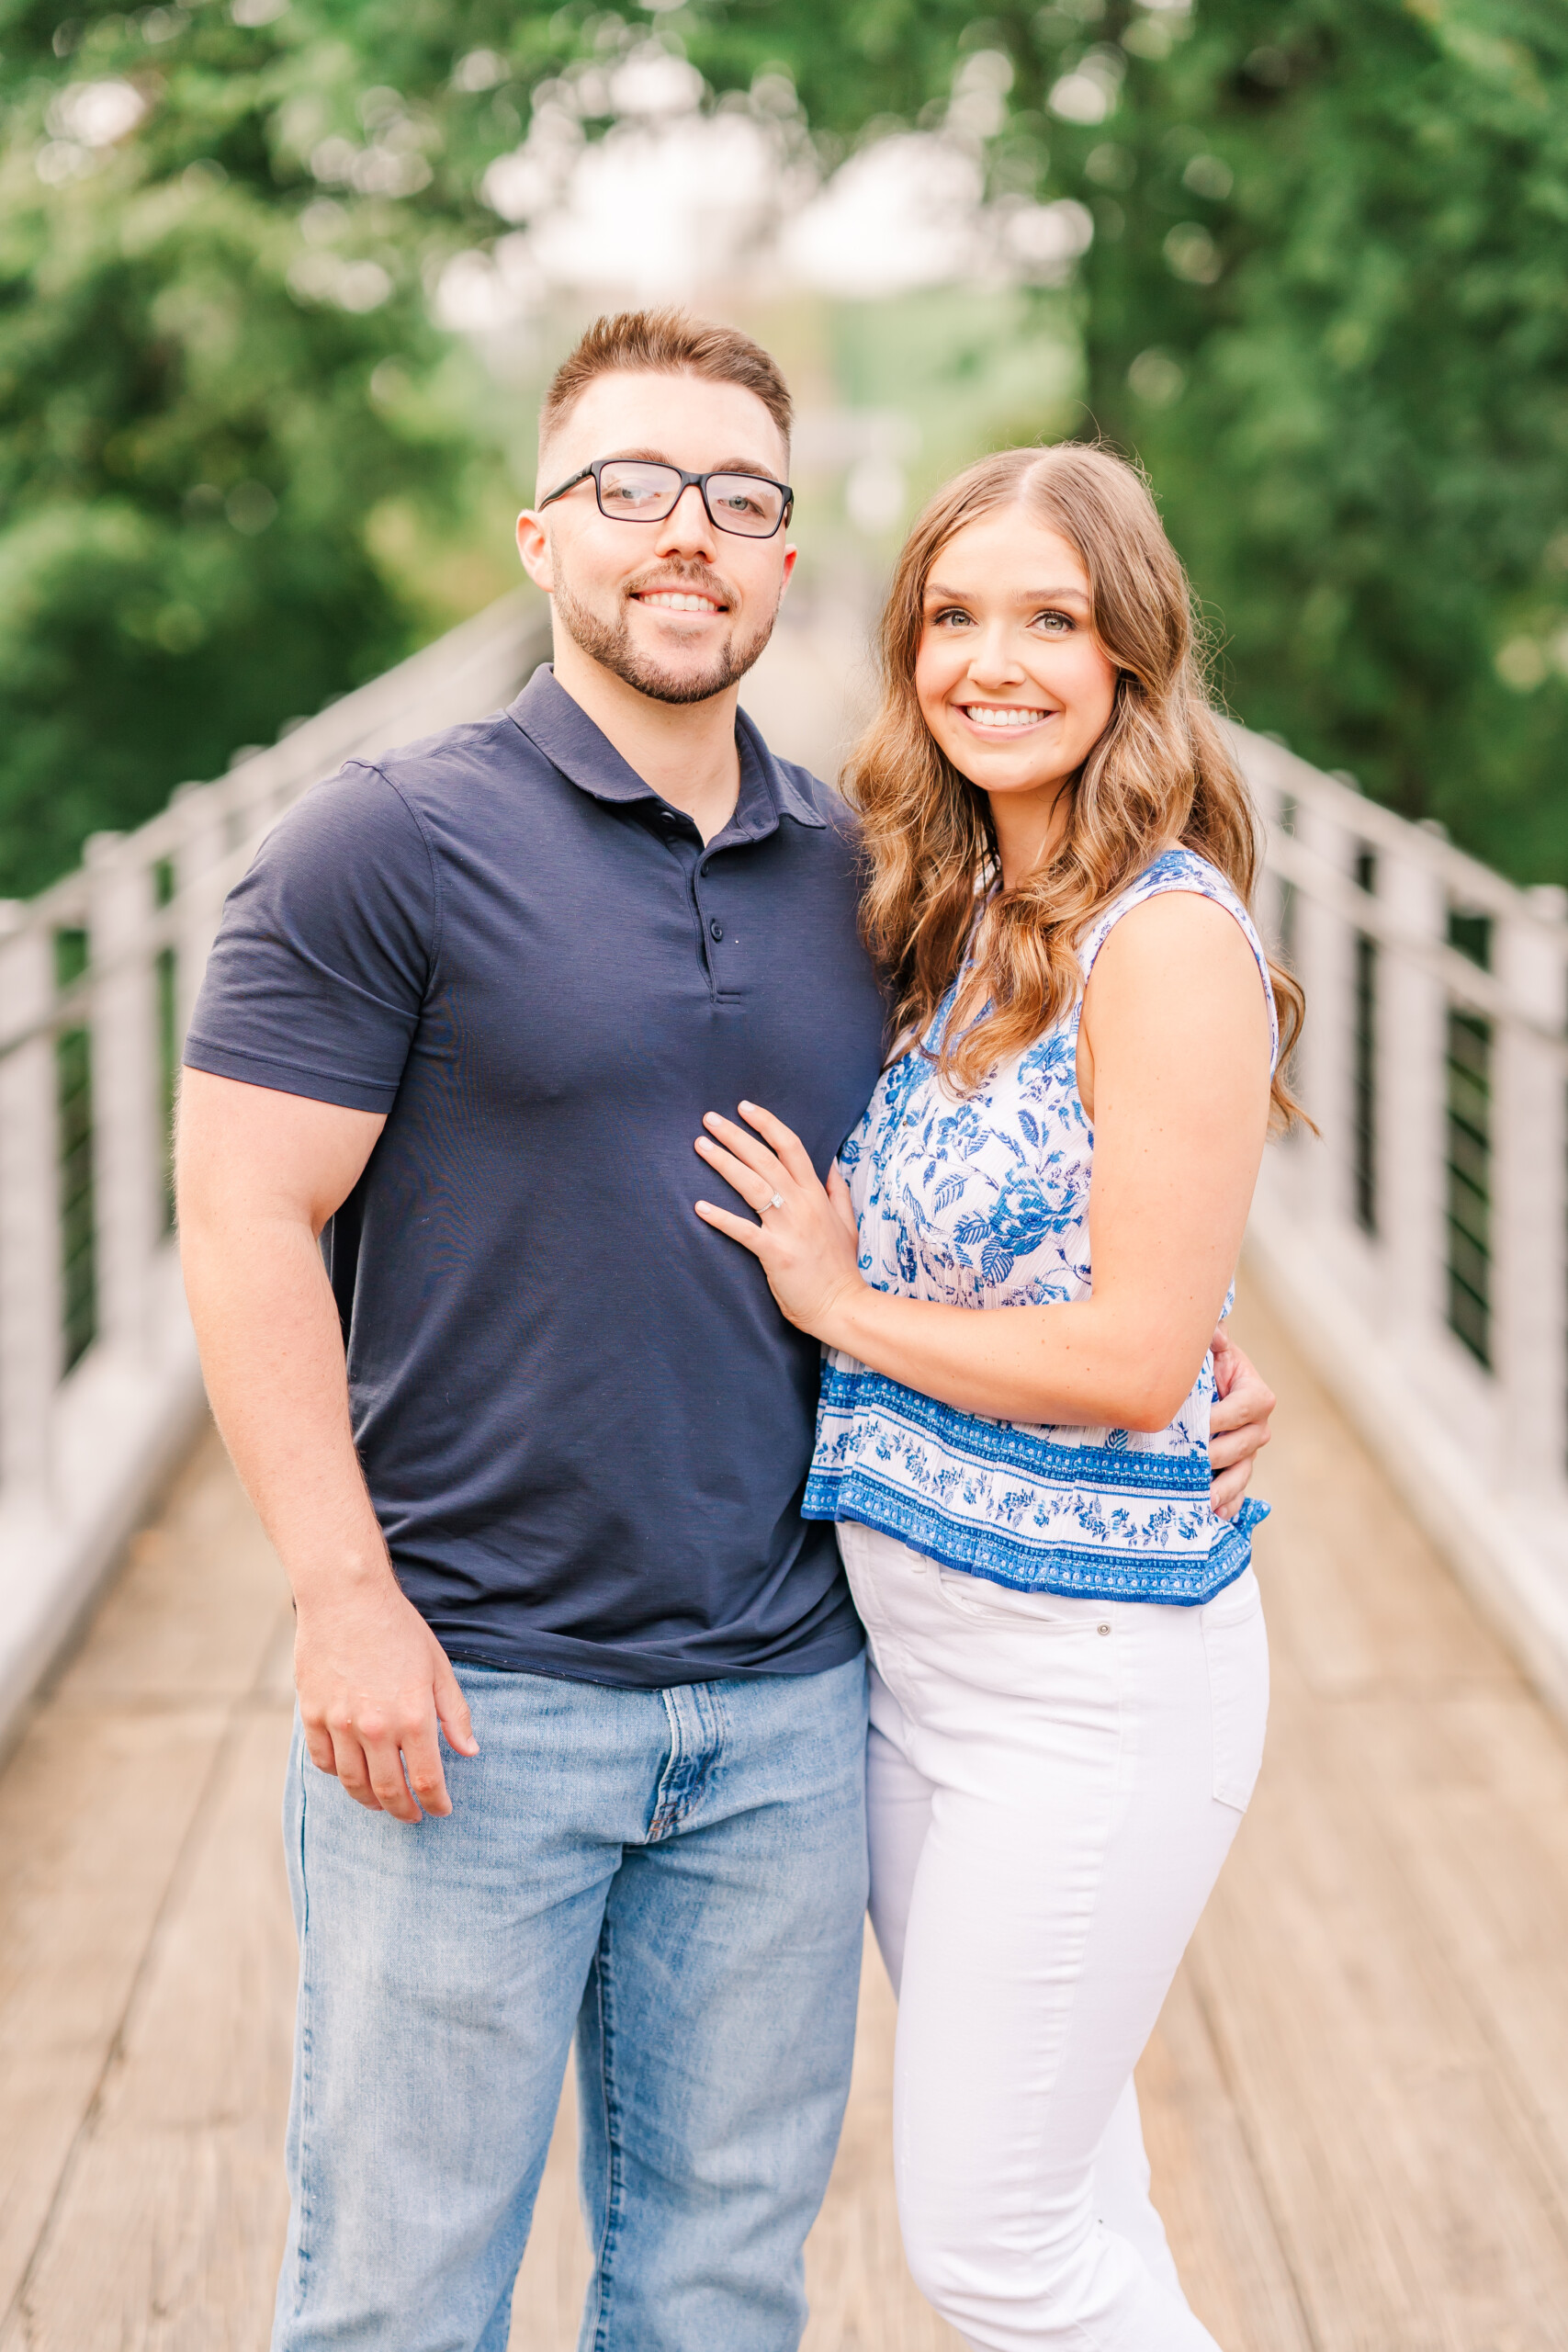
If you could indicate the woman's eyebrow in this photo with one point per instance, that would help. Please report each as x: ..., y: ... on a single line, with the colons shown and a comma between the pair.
x: 1033, y: 596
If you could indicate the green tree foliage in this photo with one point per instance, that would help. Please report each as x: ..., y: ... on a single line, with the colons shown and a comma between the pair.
x: 216, y: 371
x: 1325, y: 302
x: 1329, y: 307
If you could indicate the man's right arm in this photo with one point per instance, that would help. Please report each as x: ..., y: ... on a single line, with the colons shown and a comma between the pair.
x: 259, y: 1173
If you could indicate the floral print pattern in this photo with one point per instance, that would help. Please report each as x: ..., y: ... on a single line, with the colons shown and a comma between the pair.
x: 983, y: 1201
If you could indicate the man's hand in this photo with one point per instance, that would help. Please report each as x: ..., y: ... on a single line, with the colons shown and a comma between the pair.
x: 375, y: 1692
x: 259, y: 1175
x: 1238, y: 1426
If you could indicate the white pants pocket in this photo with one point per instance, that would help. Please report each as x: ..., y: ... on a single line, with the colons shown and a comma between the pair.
x: 1235, y: 1646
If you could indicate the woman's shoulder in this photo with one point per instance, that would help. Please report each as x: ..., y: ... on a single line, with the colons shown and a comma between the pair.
x: 1183, y: 871
x: 1174, y: 870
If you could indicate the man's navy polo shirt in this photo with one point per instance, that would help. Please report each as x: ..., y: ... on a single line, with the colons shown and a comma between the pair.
x: 584, y: 1423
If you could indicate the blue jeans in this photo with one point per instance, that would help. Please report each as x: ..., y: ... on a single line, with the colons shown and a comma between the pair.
x: 680, y: 1877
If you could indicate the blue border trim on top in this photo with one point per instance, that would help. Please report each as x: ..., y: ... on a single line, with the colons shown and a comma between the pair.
x: 1012, y: 1445
x: 1178, y: 1582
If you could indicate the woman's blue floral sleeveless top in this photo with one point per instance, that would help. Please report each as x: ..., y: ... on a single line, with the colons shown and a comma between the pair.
x: 983, y: 1201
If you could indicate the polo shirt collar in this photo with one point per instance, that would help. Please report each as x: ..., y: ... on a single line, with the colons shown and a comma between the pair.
x: 786, y: 795
x: 568, y: 739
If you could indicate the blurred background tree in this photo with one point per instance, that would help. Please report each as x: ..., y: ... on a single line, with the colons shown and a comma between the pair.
x: 1328, y: 306
x: 1325, y: 301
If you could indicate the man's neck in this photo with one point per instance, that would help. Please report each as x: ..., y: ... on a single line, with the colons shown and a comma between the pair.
x: 684, y: 750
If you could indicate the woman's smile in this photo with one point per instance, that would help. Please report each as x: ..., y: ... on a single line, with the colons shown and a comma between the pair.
x: 1001, y: 717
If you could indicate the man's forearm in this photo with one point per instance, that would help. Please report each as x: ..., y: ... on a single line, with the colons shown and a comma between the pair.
x: 272, y: 1352
x: 259, y: 1174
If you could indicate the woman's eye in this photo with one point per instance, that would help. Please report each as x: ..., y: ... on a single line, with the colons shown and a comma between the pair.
x: 950, y: 615
x: 1056, y: 622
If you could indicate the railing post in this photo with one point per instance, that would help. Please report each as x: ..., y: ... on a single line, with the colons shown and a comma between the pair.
x: 124, y: 1026
x: 29, y: 1207
x: 1412, y: 1050
x: 198, y: 859
x: 1529, y: 1169
x: 1324, y: 962
x: 1272, y: 895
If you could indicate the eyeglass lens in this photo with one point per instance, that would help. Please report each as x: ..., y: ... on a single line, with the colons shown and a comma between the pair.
x: 640, y: 491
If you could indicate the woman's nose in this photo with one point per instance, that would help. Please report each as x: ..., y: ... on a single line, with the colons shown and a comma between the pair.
x: 994, y: 663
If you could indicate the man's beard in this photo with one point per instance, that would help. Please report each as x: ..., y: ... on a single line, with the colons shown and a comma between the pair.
x: 609, y: 643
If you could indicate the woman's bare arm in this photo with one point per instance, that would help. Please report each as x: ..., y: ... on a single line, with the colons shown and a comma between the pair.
x: 1175, y: 1032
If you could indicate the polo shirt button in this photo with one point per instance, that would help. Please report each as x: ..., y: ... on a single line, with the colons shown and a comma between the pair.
x: 716, y: 928
x: 667, y: 816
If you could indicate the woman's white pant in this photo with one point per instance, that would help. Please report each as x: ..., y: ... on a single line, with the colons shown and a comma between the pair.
x: 1053, y: 1784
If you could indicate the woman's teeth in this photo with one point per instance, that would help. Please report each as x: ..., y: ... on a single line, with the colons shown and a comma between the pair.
x: 1001, y: 716
x: 671, y: 600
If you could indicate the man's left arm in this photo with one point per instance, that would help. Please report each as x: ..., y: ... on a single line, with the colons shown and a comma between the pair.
x: 1238, y: 1425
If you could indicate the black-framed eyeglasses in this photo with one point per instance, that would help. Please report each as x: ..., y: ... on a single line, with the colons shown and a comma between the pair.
x: 644, y: 490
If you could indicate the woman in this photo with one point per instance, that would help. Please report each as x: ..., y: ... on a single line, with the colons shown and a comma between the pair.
x: 1070, y: 1671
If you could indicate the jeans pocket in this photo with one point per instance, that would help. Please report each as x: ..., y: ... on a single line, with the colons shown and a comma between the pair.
x: 1235, y: 1646
x: 982, y: 1598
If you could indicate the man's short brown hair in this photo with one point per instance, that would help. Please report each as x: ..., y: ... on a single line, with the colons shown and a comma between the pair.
x: 666, y: 343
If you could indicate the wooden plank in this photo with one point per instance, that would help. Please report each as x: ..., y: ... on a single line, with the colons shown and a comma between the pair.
x: 1357, y: 2100
x: 1405, y: 2174
x: 191, y: 1617
x: 1207, y: 2189
x: 547, y: 2308
x: 94, y: 1813
x: 1384, y: 1988
x: 1359, y: 1599
x: 168, y: 2228
x: 1472, y: 1793
x: 862, y: 2296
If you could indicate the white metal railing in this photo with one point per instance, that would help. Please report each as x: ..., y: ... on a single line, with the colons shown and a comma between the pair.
x: 1418, y: 1251
x: 98, y: 1383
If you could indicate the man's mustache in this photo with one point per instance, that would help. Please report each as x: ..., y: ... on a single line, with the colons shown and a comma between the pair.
x: 696, y: 578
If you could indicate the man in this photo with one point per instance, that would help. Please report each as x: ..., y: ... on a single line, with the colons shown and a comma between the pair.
x: 463, y: 1017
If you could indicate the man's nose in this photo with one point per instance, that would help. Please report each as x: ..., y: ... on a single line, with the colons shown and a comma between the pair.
x: 686, y: 529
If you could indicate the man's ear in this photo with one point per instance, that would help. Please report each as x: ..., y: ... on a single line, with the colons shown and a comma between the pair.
x: 534, y: 546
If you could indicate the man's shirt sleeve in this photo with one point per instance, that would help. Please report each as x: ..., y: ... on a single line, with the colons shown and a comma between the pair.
x: 324, y: 955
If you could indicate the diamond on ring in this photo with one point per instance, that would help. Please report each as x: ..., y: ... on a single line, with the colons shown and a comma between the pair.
x: 777, y: 1201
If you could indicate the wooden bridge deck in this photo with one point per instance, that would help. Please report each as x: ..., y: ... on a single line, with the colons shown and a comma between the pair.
x: 1357, y: 2101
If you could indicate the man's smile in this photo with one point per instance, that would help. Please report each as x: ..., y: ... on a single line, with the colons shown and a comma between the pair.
x: 677, y: 600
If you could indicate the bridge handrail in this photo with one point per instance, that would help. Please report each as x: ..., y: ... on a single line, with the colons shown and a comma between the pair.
x: 98, y: 976
x: 1419, y: 1251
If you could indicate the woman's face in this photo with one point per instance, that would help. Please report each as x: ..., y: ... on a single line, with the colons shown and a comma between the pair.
x: 1011, y: 679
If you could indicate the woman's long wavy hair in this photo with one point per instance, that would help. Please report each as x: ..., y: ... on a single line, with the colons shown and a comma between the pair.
x: 1161, y: 774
